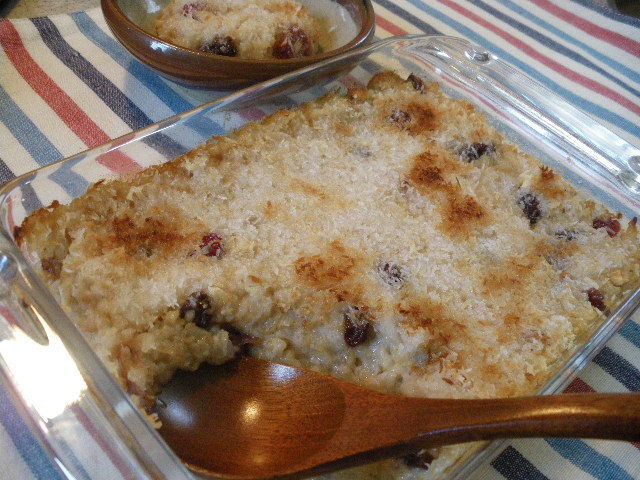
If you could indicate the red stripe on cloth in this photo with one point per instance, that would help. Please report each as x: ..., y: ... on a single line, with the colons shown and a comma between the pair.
x: 624, y: 43
x: 392, y: 28
x: 561, y: 69
x: 579, y: 386
x: 68, y: 111
x: 90, y: 427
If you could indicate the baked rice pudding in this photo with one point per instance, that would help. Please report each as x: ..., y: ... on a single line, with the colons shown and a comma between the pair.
x: 389, y: 237
x: 256, y: 29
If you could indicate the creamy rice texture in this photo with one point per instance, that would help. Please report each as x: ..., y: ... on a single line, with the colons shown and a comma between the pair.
x: 390, y: 238
x: 256, y: 29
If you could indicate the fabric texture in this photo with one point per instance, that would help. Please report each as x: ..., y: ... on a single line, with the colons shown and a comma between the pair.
x: 67, y: 85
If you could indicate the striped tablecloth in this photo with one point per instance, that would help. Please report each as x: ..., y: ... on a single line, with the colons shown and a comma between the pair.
x: 66, y: 85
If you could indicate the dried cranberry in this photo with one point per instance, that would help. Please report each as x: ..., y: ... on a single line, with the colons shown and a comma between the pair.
x: 417, y: 82
x: 611, y: 225
x: 476, y: 150
x: 392, y: 274
x: 399, y: 117
x: 221, y: 46
x: 238, y: 338
x: 418, y: 460
x: 531, y: 207
x: 191, y: 9
x: 292, y: 43
x: 211, y: 245
x: 596, y: 298
x: 197, y: 309
x: 357, y: 328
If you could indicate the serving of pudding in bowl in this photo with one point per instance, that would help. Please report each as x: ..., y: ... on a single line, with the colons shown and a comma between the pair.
x: 229, y: 44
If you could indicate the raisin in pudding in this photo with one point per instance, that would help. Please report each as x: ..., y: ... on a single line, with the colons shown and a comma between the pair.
x: 255, y: 29
x: 389, y: 237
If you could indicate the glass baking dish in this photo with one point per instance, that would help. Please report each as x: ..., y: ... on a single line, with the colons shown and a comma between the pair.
x: 85, y: 422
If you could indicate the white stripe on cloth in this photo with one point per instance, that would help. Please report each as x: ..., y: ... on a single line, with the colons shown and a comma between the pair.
x: 545, y: 459
x: 602, y: 46
x: 498, y: 42
x: 625, y: 349
x: 604, y: 21
x: 565, y: 61
x: 13, y: 153
x: 601, y: 381
x: 586, y: 94
x: 624, y: 454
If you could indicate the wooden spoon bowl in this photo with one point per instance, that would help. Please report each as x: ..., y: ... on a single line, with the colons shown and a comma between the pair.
x: 253, y: 419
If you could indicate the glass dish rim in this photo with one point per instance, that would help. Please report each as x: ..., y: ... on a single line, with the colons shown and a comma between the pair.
x: 569, y: 369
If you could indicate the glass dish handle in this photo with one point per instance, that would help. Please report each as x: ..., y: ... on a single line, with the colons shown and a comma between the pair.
x: 89, y: 432
x: 565, y: 127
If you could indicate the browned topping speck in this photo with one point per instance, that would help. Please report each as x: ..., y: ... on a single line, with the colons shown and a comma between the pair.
x: 476, y: 150
x: 417, y: 82
x: 567, y: 235
x: 392, y: 274
x: 400, y: 117
x: 52, y: 265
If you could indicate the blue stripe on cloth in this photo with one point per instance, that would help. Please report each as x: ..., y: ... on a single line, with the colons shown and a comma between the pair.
x: 24, y: 130
x: 553, y: 45
x: 576, y: 100
x: 5, y: 172
x: 114, y: 98
x: 512, y: 465
x: 400, y: 12
x: 631, y: 332
x: 588, y: 459
x: 27, y: 446
x: 177, y: 103
x: 607, y: 60
x: 73, y: 183
x: 29, y: 198
x: 607, y: 12
x: 618, y: 368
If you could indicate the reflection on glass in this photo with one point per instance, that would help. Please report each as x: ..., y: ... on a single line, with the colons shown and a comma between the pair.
x: 46, y: 376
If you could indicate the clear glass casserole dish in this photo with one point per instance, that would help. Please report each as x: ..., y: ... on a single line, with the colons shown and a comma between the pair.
x: 84, y: 420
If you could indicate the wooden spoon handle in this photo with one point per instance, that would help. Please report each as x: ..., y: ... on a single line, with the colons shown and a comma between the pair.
x: 605, y: 416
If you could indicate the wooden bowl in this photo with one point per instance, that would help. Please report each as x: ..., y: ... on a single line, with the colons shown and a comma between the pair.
x: 127, y: 20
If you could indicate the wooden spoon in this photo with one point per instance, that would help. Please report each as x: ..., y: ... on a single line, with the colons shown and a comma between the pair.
x: 253, y: 419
